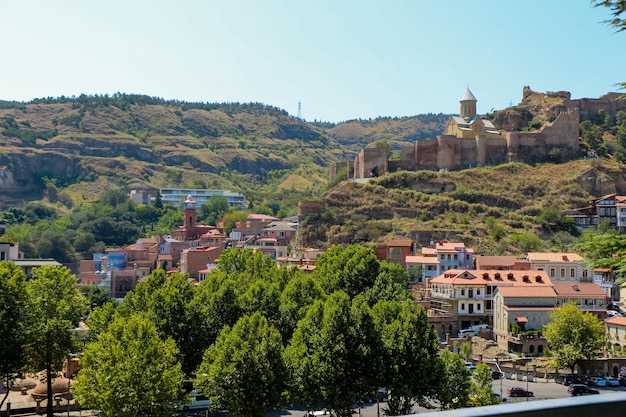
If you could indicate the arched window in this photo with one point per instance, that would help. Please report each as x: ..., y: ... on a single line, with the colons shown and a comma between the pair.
x: 531, y: 349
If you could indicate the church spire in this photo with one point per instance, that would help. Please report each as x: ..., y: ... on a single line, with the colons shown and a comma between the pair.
x: 468, y: 105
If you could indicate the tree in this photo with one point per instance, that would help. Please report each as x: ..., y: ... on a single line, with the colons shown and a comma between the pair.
x: 411, y: 346
x: 214, y: 209
x: 481, y: 393
x: 299, y: 294
x: 130, y: 371
x: 97, y: 296
x: 454, y: 388
x: 58, y: 306
x: 466, y: 350
x: 332, y: 356
x: 573, y: 335
x: 244, y: 371
x: 13, y: 323
x: 617, y: 7
x: 166, y: 301
x: 351, y: 269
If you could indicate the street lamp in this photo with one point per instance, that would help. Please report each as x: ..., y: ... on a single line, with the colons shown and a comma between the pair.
x: 501, y: 376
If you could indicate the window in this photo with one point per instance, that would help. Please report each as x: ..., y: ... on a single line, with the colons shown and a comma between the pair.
x: 584, y: 273
x: 572, y: 273
x: 456, y: 257
x: 478, y: 291
x: 2, y: 256
x: 562, y: 272
x: 477, y: 307
x: 552, y: 272
x: 463, y: 292
x: 462, y: 306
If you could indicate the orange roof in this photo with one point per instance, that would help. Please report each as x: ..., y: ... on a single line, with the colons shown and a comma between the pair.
x: 493, y: 277
x: 429, y: 251
x: 578, y: 289
x: 422, y: 260
x: 254, y: 216
x: 618, y: 321
x: 554, y: 257
x: 530, y: 291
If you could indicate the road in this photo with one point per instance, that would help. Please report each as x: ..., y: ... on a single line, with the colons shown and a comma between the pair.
x: 542, y: 390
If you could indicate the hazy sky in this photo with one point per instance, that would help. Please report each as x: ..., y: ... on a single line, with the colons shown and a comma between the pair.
x: 342, y: 59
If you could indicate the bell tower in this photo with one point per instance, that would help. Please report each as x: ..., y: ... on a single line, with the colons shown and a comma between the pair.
x: 189, y: 207
x: 468, y: 105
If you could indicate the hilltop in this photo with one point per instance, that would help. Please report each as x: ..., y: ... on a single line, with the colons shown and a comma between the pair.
x: 89, y: 144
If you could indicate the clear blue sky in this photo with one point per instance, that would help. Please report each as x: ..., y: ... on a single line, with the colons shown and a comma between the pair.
x: 342, y: 59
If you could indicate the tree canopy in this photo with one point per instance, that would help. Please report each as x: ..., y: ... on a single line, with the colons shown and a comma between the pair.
x: 573, y: 335
x: 129, y: 370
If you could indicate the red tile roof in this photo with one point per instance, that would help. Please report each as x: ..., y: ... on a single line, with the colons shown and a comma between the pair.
x: 617, y: 321
x: 493, y: 277
x: 578, y: 289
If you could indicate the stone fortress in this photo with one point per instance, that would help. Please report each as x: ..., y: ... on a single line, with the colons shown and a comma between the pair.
x: 471, y: 140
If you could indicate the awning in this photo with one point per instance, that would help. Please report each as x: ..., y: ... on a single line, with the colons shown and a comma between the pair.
x: 521, y: 319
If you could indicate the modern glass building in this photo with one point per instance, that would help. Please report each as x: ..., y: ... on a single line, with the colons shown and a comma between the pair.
x: 178, y: 195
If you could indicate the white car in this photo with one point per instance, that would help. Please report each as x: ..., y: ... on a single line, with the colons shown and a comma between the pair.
x: 597, y: 381
x: 197, y: 402
x: 611, y: 381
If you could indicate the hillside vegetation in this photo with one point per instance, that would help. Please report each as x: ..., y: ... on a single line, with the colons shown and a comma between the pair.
x: 87, y: 145
x: 507, y: 209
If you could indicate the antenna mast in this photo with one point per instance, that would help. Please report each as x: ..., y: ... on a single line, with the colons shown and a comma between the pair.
x: 299, y: 110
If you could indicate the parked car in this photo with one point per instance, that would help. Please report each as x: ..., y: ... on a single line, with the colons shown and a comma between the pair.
x: 596, y: 381
x: 470, y: 366
x: 580, y: 389
x: 197, y: 402
x: 611, y: 313
x: 519, y: 392
x: 565, y: 379
x: 622, y: 381
x: 503, y: 399
x: 612, y: 381
x: 496, y: 375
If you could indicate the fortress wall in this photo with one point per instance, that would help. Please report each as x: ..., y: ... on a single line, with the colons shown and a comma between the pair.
x: 590, y: 106
x: 426, y: 154
x: 371, y: 160
x: 310, y: 207
x: 407, y: 158
x: 563, y: 131
x: 496, y: 151
x: 468, y: 154
x: 448, y: 151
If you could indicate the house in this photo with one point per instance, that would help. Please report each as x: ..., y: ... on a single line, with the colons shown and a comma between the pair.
x: 303, y: 258
x: 395, y: 251
x: 440, y: 257
x: 609, y: 210
x: 196, y: 259
x: 501, y: 263
x: 281, y: 231
x: 519, y: 309
x: 175, y: 196
x: 462, y: 298
x: 616, y: 332
x: 588, y: 296
x: 561, y: 266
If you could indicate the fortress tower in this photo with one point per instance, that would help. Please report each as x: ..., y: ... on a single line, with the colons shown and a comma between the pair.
x: 468, y: 105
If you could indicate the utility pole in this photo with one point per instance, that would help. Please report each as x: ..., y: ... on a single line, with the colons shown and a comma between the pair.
x: 501, y: 376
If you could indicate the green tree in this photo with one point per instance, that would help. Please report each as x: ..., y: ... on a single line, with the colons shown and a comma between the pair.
x: 351, y: 269
x: 299, y: 294
x: 214, y: 209
x: 481, y: 392
x: 332, y: 356
x: 58, y: 307
x: 244, y: 371
x: 466, y: 350
x: 231, y: 218
x: 573, y: 335
x: 411, y: 347
x: 617, y: 7
x: 97, y: 296
x: 166, y: 300
x: 13, y: 323
x: 454, y: 388
x: 130, y: 371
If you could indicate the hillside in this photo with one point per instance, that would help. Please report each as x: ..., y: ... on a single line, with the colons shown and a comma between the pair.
x: 139, y: 142
x: 89, y: 144
x: 493, y: 209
